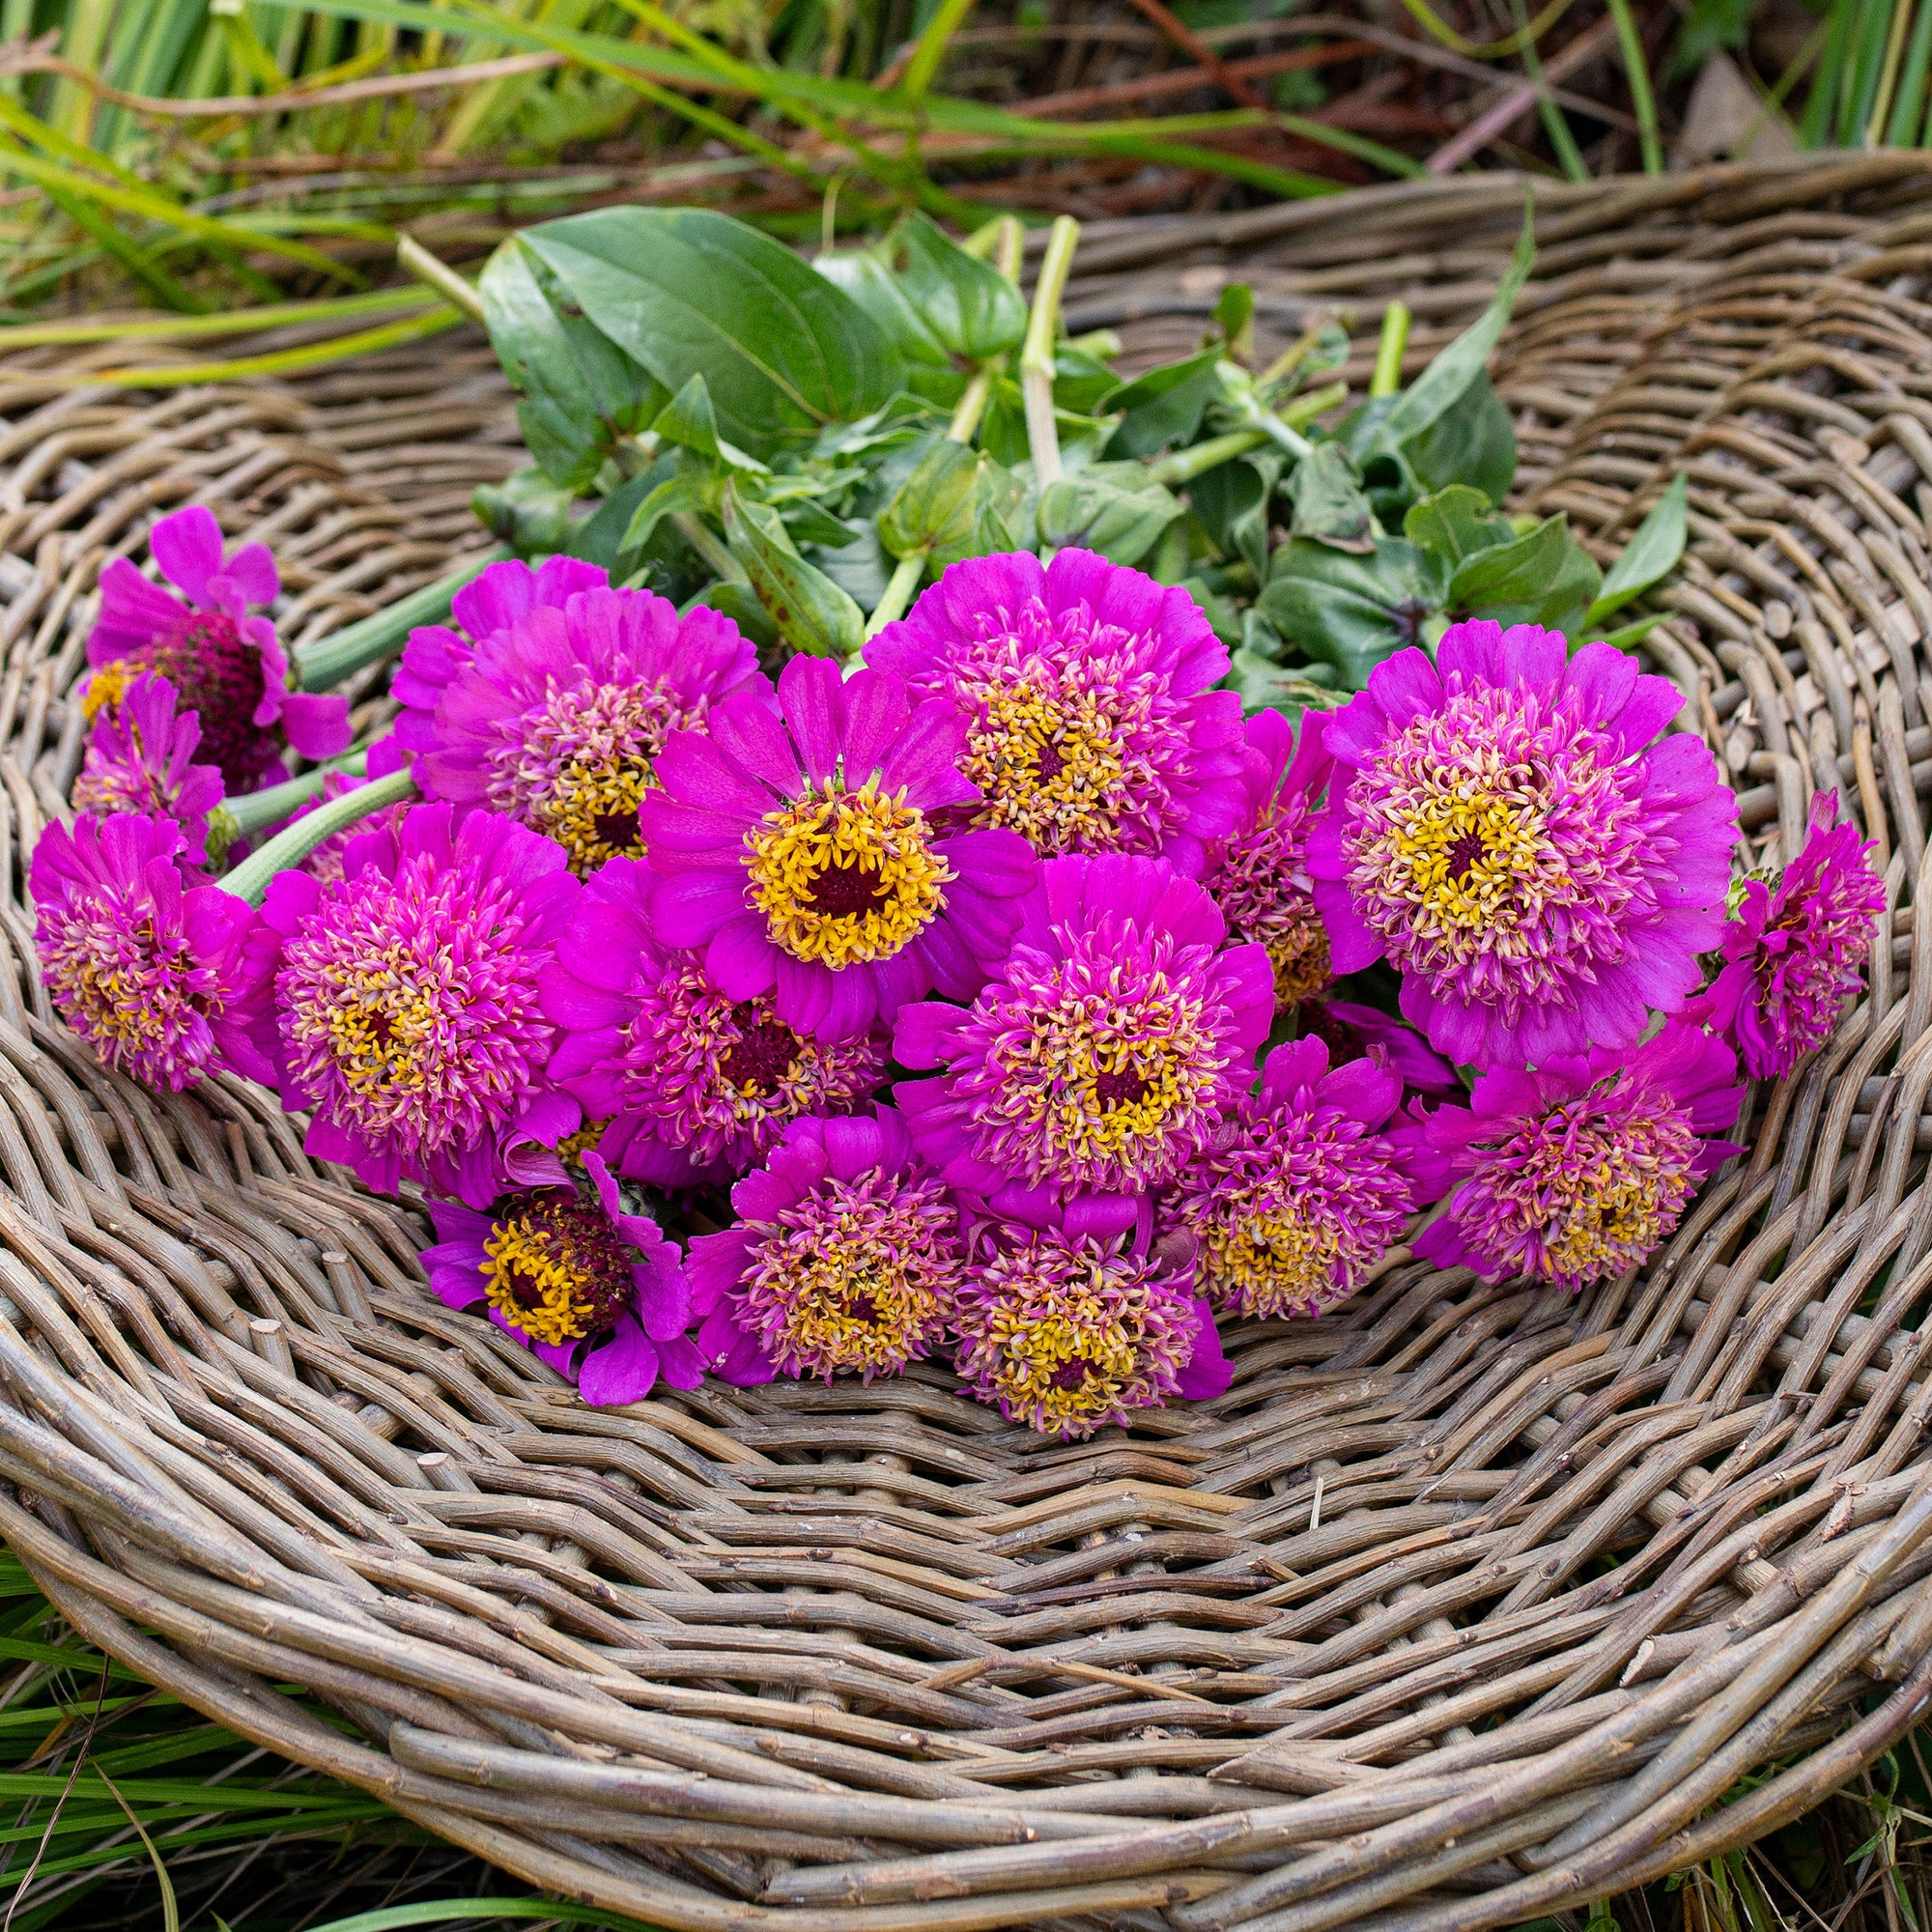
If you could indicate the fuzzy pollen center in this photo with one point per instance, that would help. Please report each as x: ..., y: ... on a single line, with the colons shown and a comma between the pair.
x: 556, y: 1269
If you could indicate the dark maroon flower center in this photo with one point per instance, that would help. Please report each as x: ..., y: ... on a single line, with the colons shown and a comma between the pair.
x: 561, y: 1252
x: 846, y: 890
x: 217, y: 674
x: 1049, y: 764
x: 1343, y: 1041
x: 1125, y: 1088
x: 1071, y: 1373
x: 1465, y: 853
x: 863, y: 1308
x: 618, y: 829
x: 766, y: 1051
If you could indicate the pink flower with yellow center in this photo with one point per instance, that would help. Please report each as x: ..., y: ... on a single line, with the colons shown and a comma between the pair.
x: 1502, y: 827
x: 139, y: 760
x: 846, y: 1257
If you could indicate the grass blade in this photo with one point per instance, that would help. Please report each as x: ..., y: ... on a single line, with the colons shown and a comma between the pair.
x: 441, y: 1912
x: 170, y: 1910
x: 246, y: 368
x: 1643, y: 103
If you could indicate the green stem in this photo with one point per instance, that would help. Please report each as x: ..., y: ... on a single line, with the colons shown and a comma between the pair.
x: 1036, y: 357
x: 410, y: 254
x: 1387, y: 378
x: 1185, y: 465
x: 972, y: 406
x: 1643, y: 102
x: 329, y: 659
x: 706, y: 542
x: 251, y: 879
x: 242, y: 818
x: 898, y: 593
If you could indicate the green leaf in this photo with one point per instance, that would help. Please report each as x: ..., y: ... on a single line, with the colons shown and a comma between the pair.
x: 1353, y: 612
x: 1266, y: 685
x: 930, y: 369
x: 527, y: 511
x: 1543, y: 577
x: 1221, y: 615
x: 1231, y: 501
x: 1003, y: 433
x: 1109, y: 507
x: 682, y: 490
x: 1455, y: 524
x: 1329, y: 506
x: 687, y: 292
x: 578, y: 392
x: 970, y: 309
x: 1235, y: 312
x: 738, y: 602
x: 1164, y: 406
x: 688, y: 418
x: 812, y: 614
x: 1473, y: 442
x: 1650, y: 556
x: 935, y: 505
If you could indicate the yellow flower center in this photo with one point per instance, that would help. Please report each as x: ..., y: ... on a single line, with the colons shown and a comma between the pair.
x: 1300, y: 962
x: 845, y: 876
x: 572, y: 1148
x: 556, y: 1271
x: 593, y: 813
x: 1616, y: 1210
x: 1048, y: 765
x: 1069, y: 1367
x: 1461, y: 855
x: 382, y: 1030
x: 104, y: 687
x: 1270, y: 1264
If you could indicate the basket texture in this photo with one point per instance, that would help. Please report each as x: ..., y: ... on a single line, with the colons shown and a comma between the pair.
x: 1465, y: 1604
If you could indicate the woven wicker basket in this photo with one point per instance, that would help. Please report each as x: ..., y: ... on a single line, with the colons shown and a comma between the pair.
x: 1465, y: 1604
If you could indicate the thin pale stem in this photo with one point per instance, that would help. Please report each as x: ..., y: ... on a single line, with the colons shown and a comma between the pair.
x: 242, y: 818
x: 900, y: 593
x: 1036, y: 357
x: 412, y: 255
x: 1387, y: 377
x: 709, y: 545
x: 329, y: 659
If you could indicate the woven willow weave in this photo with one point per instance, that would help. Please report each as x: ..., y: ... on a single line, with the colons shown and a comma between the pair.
x: 1463, y: 1604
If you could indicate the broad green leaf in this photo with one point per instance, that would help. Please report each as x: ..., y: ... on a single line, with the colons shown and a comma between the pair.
x: 1222, y: 617
x: 1108, y: 507
x: 930, y: 369
x: 1353, y: 612
x: 1082, y: 381
x: 934, y: 506
x: 577, y: 391
x: 1473, y: 442
x: 1231, y: 501
x: 1543, y: 577
x: 738, y: 602
x: 812, y: 614
x: 1329, y: 506
x: 1164, y: 406
x: 1650, y: 556
x: 682, y: 490
x: 1455, y: 524
x: 1234, y: 311
x: 861, y: 568
x: 1266, y: 685
x: 970, y: 308
x: 687, y: 292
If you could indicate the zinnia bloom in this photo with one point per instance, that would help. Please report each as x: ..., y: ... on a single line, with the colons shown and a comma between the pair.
x: 1579, y: 1170
x: 139, y: 758
x: 490, y: 602
x: 847, y: 1256
x: 695, y: 1084
x: 1498, y: 829
x: 1070, y: 1318
x: 799, y: 852
x: 1087, y: 694
x: 1259, y: 875
x: 1104, y: 1055
x: 557, y: 720
x: 1307, y: 1187
x: 1792, y: 956
x: 226, y: 667
x: 597, y: 1294
x: 1351, y: 1031
x: 406, y: 1015
x: 151, y: 972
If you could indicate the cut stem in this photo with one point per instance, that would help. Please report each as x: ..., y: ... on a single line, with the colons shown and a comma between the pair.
x: 1036, y: 357
x: 709, y: 545
x: 242, y: 817
x: 412, y: 255
x: 1389, y: 351
x: 329, y: 659
x: 251, y: 879
x: 900, y: 593
x: 1004, y: 237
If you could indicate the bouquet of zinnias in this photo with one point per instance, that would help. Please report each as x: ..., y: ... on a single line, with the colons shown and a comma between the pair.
x: 976, y: 1006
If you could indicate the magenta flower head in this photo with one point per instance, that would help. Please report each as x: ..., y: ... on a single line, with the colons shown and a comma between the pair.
x: 1309, y: 1184
x: 847, y: 1256
x: 226, y: 667
x: 1088, y: 695
x: 139, y: 758
x: 559, y: 719
x: 597, y: 1294
x: 1102, y: 1056
x: 490, y: 602
x: 1070, y: 1318
x: 404, y: 1009
x: 151, y: 972
x: 1351, y: 1031
x: 1792, y: 956
x: 696, y: 1086
x: 1579, y: 1170
x: 800, y: 850
x: 1498, y: 829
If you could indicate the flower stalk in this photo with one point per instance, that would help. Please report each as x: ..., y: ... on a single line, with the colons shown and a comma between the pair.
x: 323, y: 665
x: 288, y: 848
x: 1037, y: 357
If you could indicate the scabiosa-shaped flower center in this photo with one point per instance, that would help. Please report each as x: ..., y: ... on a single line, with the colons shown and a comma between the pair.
x: 1087, y: 691
x: 1578, y: 1171
x: 139, y: 760
x: 555, y: 1269
x: 1306, y: 1190
x: 1499, y: 831
x: 696, y: 1085
x: 846, y: 1257
x: 1104, y: 1054
x: 557, y: 720
x: 1792, y: 955
x: 1259, y: 877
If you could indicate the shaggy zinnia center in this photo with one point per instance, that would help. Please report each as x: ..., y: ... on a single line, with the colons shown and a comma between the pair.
x: 1585, y: 1190
x: 859, y: 1275
x: 128, y: 988
x: 575, y: 765
x: 217, y: 674
x: 556, y: 1269
x: 845, y: 876
x: 1498, y: 846
x: 1265, y: 893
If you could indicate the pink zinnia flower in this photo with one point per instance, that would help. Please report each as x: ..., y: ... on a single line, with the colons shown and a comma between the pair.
x: 490, y: 602
x: 597, y: 1294
x: 139, y: 760
x: 1498, y: 829
x: 1104, y: 1053
x: 226, y: 667
x: 1579, y: 1170
x: 1259, y: 874
x: 151, y: 972
x: 405, y: 1009
x: 1793, y: 957
x: 696, y: 1086
x: 800, y: 851
x: 1087, y: 694
x: 1070, y: 1318
x: 847, y: 1256
x: 559, y: 719
x: 1349, y: 1031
